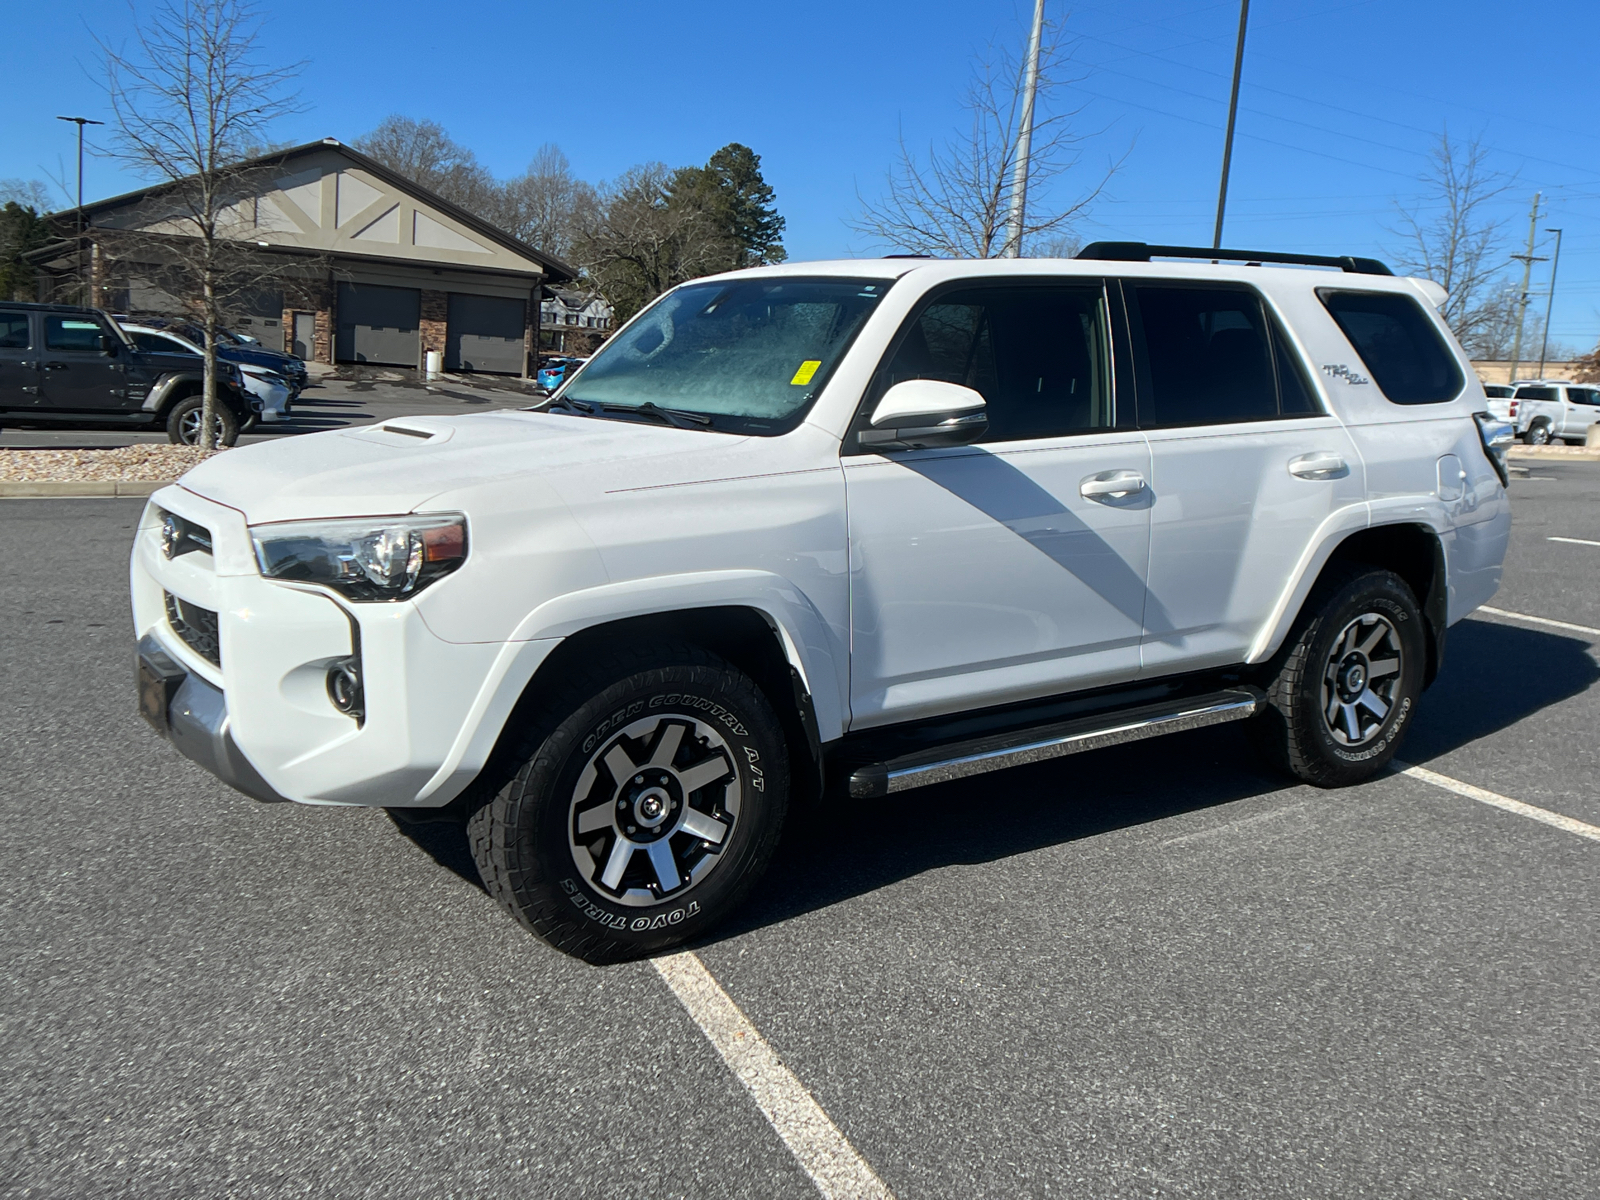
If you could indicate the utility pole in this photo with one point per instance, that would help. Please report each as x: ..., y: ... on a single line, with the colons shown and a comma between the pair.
x: 1550, y: 300
x: 1233, y: 113
x: 1019, y: 175
x: 1527, y: 261
x: 80, y: 122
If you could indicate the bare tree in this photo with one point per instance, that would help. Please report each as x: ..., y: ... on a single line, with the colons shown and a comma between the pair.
x: 425, y: 154
x: 546, y: 206
x: 955, y: 203
x: 640, y: 243
x: 187, y: 102
x: 1453, y: 239
x: 30, y: 193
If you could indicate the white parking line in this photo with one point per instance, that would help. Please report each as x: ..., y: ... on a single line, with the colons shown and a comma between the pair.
x: 1573, y: 541
x: 825, y: 1154
x: 1500, y: 612
x: 1483, y: 796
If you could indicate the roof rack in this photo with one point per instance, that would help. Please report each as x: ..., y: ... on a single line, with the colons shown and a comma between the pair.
x: 1142, y: 252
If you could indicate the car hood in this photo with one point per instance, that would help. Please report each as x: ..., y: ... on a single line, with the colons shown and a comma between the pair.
x: 398, y: 465
x: 261, y: 358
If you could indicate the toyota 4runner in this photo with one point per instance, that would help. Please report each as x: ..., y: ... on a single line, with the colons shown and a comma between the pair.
x: 862, y: 526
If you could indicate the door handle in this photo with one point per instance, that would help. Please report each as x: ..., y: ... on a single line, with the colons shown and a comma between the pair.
x: 1111, y: 485
x: 55, y: 366
x: 1323, y: 464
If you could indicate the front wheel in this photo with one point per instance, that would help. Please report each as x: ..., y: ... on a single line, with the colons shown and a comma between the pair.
x: 183, y: 423
x: 1345, y: 687
x: 649, y: 797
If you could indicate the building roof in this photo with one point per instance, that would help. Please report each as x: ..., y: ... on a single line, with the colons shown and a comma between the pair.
x: 555, y: 271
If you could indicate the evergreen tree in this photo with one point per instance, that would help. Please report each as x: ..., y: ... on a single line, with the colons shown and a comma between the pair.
x: 740, y: 204
x: 21, y: 229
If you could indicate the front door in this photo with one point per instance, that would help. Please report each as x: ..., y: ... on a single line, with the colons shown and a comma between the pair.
x: 983, y: 574
x: 78, y: 374
x: 1245, y: 467
x: 19, y: 360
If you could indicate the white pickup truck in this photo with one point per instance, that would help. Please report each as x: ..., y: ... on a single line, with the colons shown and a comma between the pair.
x: 860, y: 526
x: 1553, y: 410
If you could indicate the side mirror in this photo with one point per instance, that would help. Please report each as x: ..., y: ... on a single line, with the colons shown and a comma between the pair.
x: 920, y: 414
x: 108, y: 344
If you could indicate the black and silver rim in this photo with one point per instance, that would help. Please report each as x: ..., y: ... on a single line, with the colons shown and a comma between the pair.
x: 1539, y: 435
x: 653, y: 809
x: 189, y: 427
x: 1360, y: 680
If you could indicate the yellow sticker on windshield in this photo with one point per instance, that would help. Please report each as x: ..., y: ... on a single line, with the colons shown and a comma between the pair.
x: 806, y: 371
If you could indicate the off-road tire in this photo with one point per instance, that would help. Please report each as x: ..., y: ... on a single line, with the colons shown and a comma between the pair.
x: 1538, y: 433
x: 183, y: 423
x: 524, y: 838
x: 1294, y: 730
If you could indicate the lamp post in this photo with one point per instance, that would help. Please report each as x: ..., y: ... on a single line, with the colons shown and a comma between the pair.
x: 1019, y: 176
x: 80, y: 122
x: 1550, y: 300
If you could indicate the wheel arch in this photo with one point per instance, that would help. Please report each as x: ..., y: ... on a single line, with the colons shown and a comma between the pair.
x: 1412, y: 550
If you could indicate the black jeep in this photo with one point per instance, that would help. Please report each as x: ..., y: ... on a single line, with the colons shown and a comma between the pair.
x: 60, y: 362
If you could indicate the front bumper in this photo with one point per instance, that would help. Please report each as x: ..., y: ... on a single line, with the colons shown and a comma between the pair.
x: 247, y: 697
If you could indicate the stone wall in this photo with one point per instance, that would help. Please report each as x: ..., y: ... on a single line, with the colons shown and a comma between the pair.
x: 435, y: 323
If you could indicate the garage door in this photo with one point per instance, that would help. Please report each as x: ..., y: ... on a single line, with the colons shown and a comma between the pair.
x: 378, y: 324
x: 486, y: 334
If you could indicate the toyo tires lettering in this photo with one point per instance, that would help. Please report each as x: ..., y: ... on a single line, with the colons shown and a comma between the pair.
x: 612, y: 921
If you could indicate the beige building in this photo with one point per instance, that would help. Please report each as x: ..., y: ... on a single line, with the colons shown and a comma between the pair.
x: 359, y: 265
x: 1500, y: 372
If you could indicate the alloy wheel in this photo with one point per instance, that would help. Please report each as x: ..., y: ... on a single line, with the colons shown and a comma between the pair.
x: 653, y: 809
x: 1360, y: 679
x: 189, y: 428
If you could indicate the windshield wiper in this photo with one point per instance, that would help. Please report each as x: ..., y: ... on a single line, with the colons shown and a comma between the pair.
x: 678, y: 417
x: 577, y: 406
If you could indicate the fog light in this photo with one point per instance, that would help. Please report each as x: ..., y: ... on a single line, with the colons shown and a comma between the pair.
x: 344, y: 688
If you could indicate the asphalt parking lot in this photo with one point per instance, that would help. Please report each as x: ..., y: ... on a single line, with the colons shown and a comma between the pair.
x: 1157, y: 970
x: 327, y: 403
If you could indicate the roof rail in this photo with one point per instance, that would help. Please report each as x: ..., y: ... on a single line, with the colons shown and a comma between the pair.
x: 1142, y: 252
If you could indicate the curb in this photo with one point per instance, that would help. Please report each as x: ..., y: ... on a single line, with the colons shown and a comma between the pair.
x: 72, y: 489
x: 1557, y: 453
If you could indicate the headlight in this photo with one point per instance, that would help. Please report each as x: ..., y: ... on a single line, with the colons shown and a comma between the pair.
x: 374, y: 558
x: 267, y: 376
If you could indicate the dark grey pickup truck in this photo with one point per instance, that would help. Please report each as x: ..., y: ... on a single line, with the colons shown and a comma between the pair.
x: 63, y: 363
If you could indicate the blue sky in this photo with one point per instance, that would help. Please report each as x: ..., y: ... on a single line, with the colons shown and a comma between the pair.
x: 1341, y: 102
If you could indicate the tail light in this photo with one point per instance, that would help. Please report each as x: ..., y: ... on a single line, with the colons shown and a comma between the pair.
x: 1496, y: 436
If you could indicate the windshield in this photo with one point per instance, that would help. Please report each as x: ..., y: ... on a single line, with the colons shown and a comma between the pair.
x: 750, y: 354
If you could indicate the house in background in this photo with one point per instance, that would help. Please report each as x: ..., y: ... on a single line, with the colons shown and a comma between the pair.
x: 359, y: 265
x: 572, y: 321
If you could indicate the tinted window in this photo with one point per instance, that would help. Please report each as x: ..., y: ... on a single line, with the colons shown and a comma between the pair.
x: 13, y: 331
x: 1209, y: 355
x: 1036, y: 354
x: 1538, y: 393
x: 72, y: 333
x: 156, y: 343
x: 1408, y: 359
x: 1495, y: 392
x: 1583, y: 395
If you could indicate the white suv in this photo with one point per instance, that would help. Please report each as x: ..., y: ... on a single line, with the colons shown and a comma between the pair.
x: 854, y: 525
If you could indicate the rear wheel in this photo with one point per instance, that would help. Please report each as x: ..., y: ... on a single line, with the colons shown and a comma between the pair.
x: 183, y: 423
x: 646, y: 801
x: 1538, y: 434
x: 1345, y: 687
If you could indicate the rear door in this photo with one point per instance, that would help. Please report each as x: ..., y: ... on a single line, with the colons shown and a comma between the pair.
x: 19, y: 359
x: 982, y: 574
x: 1581, y: 411
x: 78, y: 375
x: 1245, y: 466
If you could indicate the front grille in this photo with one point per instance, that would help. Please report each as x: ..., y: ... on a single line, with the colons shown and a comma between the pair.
x: 197, y: 627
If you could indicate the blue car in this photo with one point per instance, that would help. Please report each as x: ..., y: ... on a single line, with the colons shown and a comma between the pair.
x: 554, y: 371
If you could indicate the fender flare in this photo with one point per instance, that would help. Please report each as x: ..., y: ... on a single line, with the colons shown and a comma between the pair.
x: 156, y: 400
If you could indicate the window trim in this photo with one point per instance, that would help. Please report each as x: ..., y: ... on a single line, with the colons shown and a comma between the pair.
x: 850, y: 446
x: 1430, y: 319
x: 1277, y: 331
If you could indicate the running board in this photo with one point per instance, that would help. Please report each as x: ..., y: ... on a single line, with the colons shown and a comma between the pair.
x: 957, y: 760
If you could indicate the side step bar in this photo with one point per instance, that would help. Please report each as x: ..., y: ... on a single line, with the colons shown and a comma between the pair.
x: 958, y: 760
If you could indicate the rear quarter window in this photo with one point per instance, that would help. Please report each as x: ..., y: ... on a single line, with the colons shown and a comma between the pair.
x: 1399, y: 345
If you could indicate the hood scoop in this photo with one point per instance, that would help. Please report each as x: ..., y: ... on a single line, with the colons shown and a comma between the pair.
x: 409, y: 431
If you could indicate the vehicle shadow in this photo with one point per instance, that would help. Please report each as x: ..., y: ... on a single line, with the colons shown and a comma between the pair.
x: 1494, y: 676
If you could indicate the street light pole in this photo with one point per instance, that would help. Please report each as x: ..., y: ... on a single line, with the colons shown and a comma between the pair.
x: 1550, y: 300
x: 80, y: 122
x: 1233, y: 113
x: 1019, y: 175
